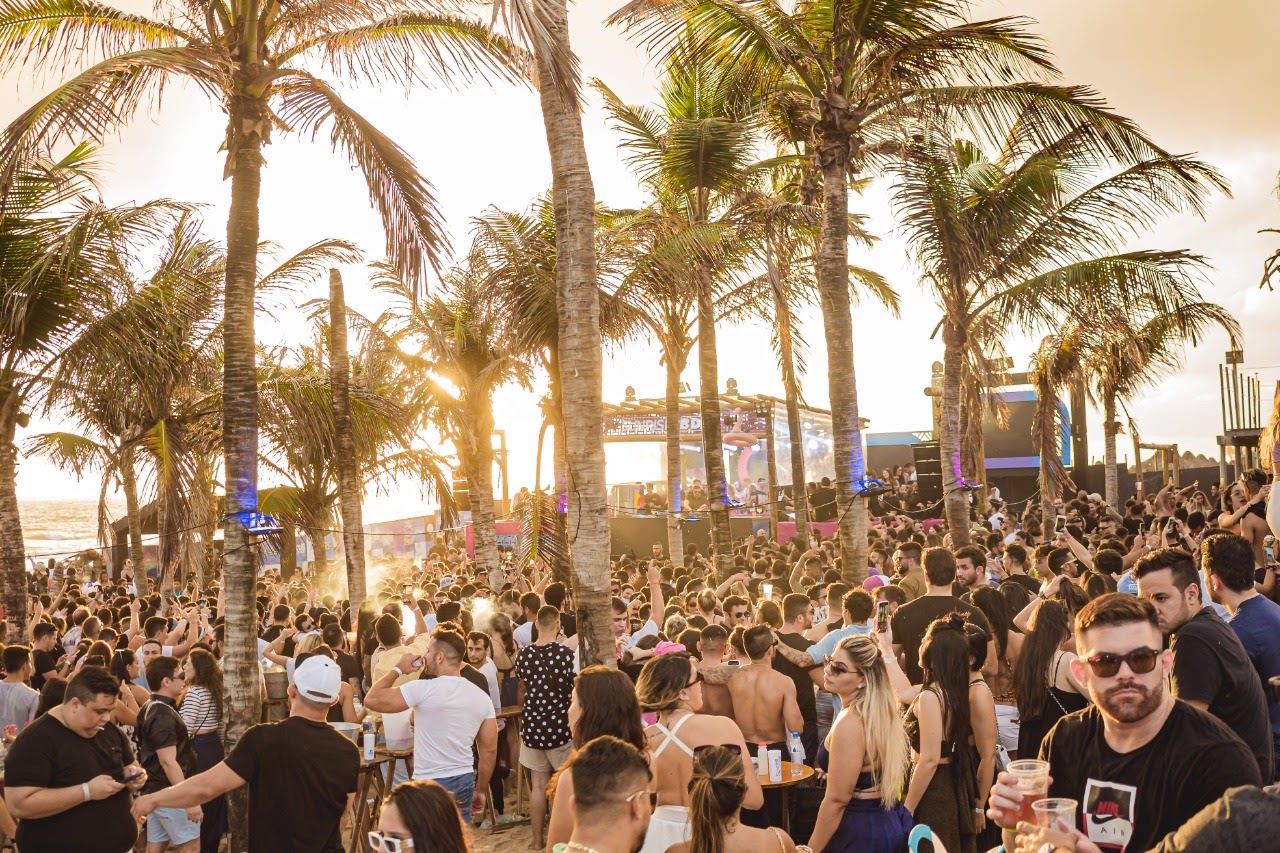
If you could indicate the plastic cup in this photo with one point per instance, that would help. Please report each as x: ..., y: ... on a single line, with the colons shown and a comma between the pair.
x: 1032, y: 779
x: 1055, y: 813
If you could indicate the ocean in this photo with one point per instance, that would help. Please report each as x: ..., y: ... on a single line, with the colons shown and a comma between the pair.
x: 60, y: 529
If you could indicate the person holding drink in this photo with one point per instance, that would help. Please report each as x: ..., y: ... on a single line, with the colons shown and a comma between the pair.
x: 1133, y: 766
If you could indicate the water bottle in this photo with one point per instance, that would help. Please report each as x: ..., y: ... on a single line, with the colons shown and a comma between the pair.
x: 796, y: 748
x: 762, y: 758
x: 369, y: 746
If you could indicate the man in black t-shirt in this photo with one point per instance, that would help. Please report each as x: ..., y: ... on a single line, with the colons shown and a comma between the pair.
x: 44, y: 658
x: 301, y: 773
x: 65, y: 774
x: 1211, y: 669
x: 797, y: 617
x: 1139, y: 762
x: 823, y: 501
x: 912, y: 619
x: 167, y: 755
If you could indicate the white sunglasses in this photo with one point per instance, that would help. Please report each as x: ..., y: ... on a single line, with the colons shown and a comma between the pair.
x: 384, y: 844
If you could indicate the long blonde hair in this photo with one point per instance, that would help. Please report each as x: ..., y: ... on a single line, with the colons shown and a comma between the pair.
x: 875, y: 703
x: 307, y: 644
x: 1270, y: 436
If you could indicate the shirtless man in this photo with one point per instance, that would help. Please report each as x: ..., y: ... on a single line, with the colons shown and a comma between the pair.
x: 764, y: 700
x: 713, y: 647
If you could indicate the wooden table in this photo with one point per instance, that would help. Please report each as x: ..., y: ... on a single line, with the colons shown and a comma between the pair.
x: 785, y: 785
x: 371, y: 789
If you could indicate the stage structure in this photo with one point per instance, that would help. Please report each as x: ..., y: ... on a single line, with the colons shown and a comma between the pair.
x: 757, y: 446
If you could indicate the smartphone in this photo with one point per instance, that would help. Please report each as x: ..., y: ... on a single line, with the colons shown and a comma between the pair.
x: 129, y: 776
x: 733, y: 663
x: 882, y: 616
x: 405, y: 587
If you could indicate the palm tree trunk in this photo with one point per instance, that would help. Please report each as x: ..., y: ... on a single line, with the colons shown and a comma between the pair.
x: 319, y: 549
x: 791, y: 390
x: 955, y: 501
x: 1109, y: 427
x: 837, y: 326
x: 248, y: 118
x: 580, y: 352
x: 12, y: 555
x: 129, y: 484
x: 712, y: 434
x: 350, y: 485
x: 561, y: 568
x: 288, y: 551
x: 479, y: 470
x: 166, y: 544
x: 675, y: 535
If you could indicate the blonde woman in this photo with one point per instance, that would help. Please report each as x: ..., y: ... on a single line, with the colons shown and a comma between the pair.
x: 862, y: 808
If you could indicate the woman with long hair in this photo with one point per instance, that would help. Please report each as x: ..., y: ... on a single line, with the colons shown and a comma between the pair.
x: 201, y: 711
x: 1008, y: 650
x: 502, y: 639
x: 1043, y: 684
x: 419, y: 816
x: 717, y: 785
x: 942, y: 792
x: 862, y: 806
x: 126, y: 667
x: 603, y: 703
x: 671, y: 687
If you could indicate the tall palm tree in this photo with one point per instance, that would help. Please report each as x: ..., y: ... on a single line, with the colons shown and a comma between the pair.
x: 461, y: 350
x: 350, y: 485
x: 256, y: 59
x: 56, y: 246
x: 694, y: 152
x: 520, y: 260
x: 865, y: 72
x: 1024, y: 239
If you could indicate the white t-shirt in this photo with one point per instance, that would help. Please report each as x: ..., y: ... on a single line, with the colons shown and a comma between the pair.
x: 490, y: 671
x: 449, y: 711
x: 523, y: 634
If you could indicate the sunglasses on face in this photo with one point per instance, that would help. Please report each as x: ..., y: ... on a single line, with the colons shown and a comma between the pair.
x: 1107, y: 664
x: 385, y: 844
x: 836, y: 667
x: 697, y: 679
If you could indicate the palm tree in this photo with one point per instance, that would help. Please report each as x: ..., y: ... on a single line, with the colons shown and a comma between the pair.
x: 1118, y: 358
x: 520, y: 258
x: 1023, y: 239
x: 255, y: 59
x: 466, y: 350
x: 694, y: 153
x: 56, y: 246
x: 864, y: 73
x: 350, y: 485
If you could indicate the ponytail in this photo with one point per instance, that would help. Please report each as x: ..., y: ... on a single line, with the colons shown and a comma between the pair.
x: 716, y: 790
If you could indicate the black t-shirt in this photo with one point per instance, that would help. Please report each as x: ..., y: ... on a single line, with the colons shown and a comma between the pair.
x: 547, y: 673
x: 1129, y: 801
x: 348, y: 665
x: 800, y: 676
x: 823, y: 504
x: 299, y: 773
x: 160, y: 725
x: 47, y: 754
x: 912, y: 619
x: 42, y: 662
x: 1210, y: 665
x: 1027, y: 582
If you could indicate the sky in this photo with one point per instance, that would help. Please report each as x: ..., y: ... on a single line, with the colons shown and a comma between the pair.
x: 1198, y: 79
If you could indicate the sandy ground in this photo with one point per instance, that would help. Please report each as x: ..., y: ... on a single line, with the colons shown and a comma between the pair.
x: 514, y: 840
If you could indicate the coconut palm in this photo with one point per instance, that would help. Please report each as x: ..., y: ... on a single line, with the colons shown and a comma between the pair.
x: 865, y: 73
x: 694, y: 152
x: 258, y: 61
x: 459, y: 349
x: 1024, y: 239
x: 56, y: 245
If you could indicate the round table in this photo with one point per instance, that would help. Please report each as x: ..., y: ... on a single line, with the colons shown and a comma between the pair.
x: 786, y: 783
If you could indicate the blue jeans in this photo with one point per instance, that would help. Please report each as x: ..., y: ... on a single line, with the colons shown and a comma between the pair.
x: 463, y: 789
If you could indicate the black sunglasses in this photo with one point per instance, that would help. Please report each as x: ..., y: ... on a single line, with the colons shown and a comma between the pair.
x: 1107, y: 664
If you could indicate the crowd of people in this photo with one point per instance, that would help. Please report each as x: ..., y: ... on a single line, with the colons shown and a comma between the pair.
x: 1126, y: 657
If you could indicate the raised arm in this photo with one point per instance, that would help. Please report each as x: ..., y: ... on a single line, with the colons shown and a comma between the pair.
x: 658, y: 604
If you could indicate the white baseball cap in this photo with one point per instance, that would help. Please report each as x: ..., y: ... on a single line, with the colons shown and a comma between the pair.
x: 318, y: 679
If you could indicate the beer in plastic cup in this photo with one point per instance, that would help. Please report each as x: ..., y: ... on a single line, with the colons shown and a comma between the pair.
x: 1032, y: 779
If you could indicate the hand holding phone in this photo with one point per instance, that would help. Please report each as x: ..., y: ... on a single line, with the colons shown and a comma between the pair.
x: 882, y: 616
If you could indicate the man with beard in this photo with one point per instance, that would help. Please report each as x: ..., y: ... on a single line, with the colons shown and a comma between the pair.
x: 1139, y: 762
x: 611, y: 806
x: 1211, y: 668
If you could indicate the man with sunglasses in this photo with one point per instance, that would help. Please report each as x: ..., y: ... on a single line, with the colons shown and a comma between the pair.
x: 1211, y: 668
x: 167, y: 755
x: 1138, y: 763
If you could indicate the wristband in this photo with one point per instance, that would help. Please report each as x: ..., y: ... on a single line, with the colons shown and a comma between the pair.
x: 84, y: 789
x: 397, y: 670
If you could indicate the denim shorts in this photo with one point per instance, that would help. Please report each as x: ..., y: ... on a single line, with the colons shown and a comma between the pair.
x: 463, y: 788
x: 171, y: 825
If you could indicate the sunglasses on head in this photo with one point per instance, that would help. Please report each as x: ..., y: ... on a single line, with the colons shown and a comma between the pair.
x: 1107, y: 664
x: 385, y: 844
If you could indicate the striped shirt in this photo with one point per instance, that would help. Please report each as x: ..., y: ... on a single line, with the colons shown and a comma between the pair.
x: 198, y: 710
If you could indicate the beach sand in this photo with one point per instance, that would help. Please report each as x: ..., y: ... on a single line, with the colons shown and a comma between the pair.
x: 514, y: 840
